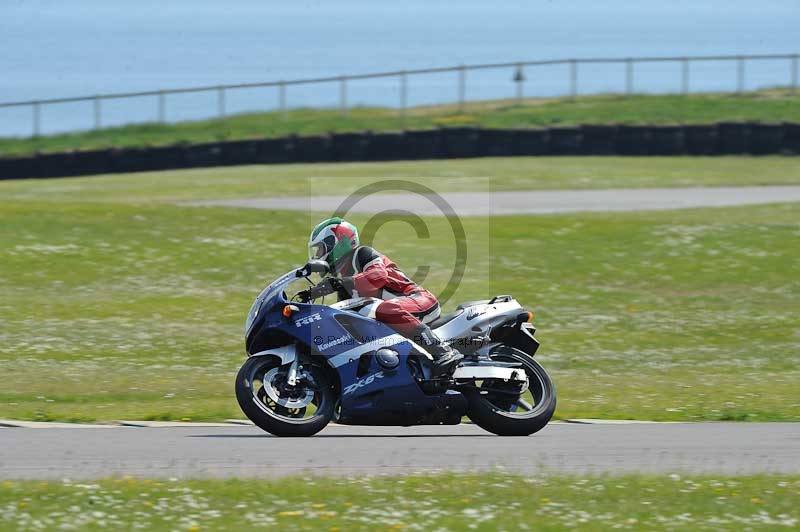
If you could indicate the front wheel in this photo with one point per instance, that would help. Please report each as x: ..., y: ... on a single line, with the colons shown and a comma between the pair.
x: 506, y: 409
x: 267, y: 399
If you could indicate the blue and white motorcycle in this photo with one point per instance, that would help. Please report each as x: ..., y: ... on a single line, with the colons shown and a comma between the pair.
x: 309, y: 364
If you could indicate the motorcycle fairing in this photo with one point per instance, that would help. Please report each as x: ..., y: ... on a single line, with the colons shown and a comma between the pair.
x: 347, y: 341
x: 371, y: 394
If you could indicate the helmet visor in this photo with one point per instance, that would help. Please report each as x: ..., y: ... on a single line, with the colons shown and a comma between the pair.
x: 320, y: 250
x: 316, y: 251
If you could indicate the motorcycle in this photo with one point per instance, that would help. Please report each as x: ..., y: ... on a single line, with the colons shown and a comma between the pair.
x: 309, y: 364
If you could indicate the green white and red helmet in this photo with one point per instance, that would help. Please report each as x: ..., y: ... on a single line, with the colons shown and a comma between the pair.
x: 331, y: 240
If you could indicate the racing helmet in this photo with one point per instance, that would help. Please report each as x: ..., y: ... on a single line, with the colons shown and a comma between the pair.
x: 331, y: 240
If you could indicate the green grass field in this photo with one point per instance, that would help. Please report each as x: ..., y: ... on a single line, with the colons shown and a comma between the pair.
x: 446, y: 502
x: 118, y: 303
x: 774, y: 105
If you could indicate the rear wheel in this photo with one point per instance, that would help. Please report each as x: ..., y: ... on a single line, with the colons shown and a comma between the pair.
x: 509, y: 409
x: 267, y: 399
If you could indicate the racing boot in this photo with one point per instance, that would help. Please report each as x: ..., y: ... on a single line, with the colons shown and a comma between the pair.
x: 445, y: 358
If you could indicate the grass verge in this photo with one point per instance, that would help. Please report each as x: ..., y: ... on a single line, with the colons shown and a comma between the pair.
x: 491, y: 501
x: 117, y: 304
x: 766, y: 106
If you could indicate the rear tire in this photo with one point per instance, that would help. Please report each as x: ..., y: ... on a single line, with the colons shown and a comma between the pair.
x: 276, y: 419
x: 498, y: 414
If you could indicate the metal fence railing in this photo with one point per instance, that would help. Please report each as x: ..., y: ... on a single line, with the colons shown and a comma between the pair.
x: 519, y: 71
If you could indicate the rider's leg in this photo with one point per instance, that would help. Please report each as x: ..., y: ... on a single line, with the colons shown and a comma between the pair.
x: 444, y: 357
x: 401, y: 314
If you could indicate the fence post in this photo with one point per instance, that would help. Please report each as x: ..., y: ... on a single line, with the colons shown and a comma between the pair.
x: 629, y: 76
x: 462, y: 87
x: 221, y: 101
x: 685, y: 80
x: 795, y: 59
x: 97, y: 113
x: 403, y: 94
x: 739, y: 74
x: 519, y: 77
x: 36, y: 121
x: 343, y: 96
x: 282, y: 99
x: 162, y: 107
x: 573, y: 78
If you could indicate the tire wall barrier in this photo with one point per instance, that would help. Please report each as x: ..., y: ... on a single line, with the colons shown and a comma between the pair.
x: 701, y: 139
x: 564, y: 141
x: 633, y: 140
x: 599, y: 139
x: 725, y: 138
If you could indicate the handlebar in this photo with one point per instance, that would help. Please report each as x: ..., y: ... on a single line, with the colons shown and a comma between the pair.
x: 328, y: 285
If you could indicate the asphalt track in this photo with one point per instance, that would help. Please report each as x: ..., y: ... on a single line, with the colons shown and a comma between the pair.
x: 245, y: 451
x: 531, y: 202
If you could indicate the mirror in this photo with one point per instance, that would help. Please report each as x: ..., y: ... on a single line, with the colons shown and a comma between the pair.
x: 314, y: 266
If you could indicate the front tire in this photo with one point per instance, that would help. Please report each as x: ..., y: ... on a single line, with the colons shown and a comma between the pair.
x: 495, y: 407
x: 299, y: 411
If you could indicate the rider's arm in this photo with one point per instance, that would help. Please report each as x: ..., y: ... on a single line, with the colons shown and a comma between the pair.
x: 372, y: 276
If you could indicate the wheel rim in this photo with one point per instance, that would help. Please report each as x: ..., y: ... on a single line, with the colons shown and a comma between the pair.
x: 522, y: 402
x: 302, y: 403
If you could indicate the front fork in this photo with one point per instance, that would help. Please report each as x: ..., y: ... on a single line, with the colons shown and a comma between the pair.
x: 291, y: 377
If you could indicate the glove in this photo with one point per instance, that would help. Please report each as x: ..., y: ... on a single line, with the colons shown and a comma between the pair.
x: 327, y: 286
x: 304, y: 295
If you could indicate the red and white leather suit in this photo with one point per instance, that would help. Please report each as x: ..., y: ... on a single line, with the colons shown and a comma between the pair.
x: 406, y: 305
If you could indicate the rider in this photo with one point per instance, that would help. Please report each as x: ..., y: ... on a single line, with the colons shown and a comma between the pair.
x: 406, y: 306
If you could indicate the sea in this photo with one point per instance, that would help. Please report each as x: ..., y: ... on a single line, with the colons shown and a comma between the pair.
x: 55, y: 49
